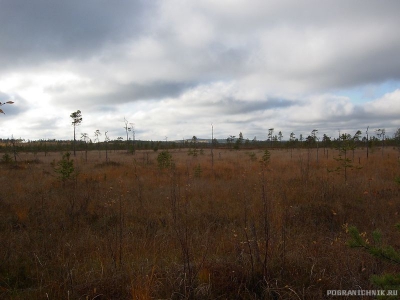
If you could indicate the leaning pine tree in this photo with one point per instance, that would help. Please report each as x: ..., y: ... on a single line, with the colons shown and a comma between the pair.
x: 4, y: 103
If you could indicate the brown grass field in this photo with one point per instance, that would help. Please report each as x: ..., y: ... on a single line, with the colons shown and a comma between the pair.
x: 127, y: 229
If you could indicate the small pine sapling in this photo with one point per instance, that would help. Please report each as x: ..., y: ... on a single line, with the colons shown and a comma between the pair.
x: 377, y: 249
x: 65, y: 168
x: 198, y: 171
x: 266, y: 157
x: 253, y: 156
x: 346, y: 144
x: 6, y: 158
x: 164, y: 160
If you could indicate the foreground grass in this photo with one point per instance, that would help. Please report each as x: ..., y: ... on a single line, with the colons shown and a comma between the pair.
x: 128, y: 230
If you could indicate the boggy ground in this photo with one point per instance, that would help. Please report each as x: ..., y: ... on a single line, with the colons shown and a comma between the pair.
x: 234, y: 229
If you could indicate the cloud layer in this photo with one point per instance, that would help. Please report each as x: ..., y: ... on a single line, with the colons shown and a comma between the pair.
x: 173, y: 67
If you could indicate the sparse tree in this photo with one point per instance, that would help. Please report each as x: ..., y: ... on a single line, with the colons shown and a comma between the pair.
x: 314, y: 133
x: 126, y: 131
x: 355, y: 140
x: 106, y: 140
x: 326, y: 141
x: 76, y: 121
x: 292, y: 140
x: 215, y: 142
x: 381, y: 134
x: 397, y: 138
x: 254, y: 141
x: 230, y: 139
x: 193, y: 146
x: 212, y: 146
x: 239, y: 141
x: 397, y: 135
x: 357, y: 136
x: 310, y: 140
x: 14, y: 147
x: 316, y: 140
x: 270, y: 137
x: 132, y: 129
x: 97, y: 133
x: 367, y: 141
x: 86, y: 139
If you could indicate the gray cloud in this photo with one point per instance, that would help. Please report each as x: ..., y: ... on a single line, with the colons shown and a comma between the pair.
x: 232, y: 106
x: 278, y: 64
x: 135, y: 92
x: 326, y: 45
x: 118, y: 94
x: 37, y: 31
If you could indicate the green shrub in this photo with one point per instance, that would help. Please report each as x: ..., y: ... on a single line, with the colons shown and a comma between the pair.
x: 197, y: 171
x: 164, y: 159
x: 6, y: 158
x: 266, y: 157
x: 379, y: 250
x: 65, y: 167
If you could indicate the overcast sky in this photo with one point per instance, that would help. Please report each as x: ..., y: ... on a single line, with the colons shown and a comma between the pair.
x: 174, y: 67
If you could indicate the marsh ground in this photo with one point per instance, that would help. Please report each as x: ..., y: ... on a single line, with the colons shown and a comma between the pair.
x: 237, y: 229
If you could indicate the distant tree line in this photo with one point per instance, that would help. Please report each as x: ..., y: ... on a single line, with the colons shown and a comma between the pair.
x: 373, y: 139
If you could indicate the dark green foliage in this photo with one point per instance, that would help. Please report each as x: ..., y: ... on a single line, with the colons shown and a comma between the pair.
x: 266, y: 157
x: 65, y: 167
x: 164, y: 160
x: 344, y: 162
x: 192, y: 152
x: 238, y: 142
x: 386, y: 281
x: 6, y: 159
x: 252, y: 156
x: 197, y: 171
x: 378, y: 250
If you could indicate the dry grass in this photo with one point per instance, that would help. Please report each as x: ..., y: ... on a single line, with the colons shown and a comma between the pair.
x: 128, y: 230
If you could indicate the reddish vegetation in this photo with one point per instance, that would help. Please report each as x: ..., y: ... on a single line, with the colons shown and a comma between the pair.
x: 128, y: 230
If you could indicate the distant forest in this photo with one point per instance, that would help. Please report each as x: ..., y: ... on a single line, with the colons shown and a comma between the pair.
x: 371, y: 140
